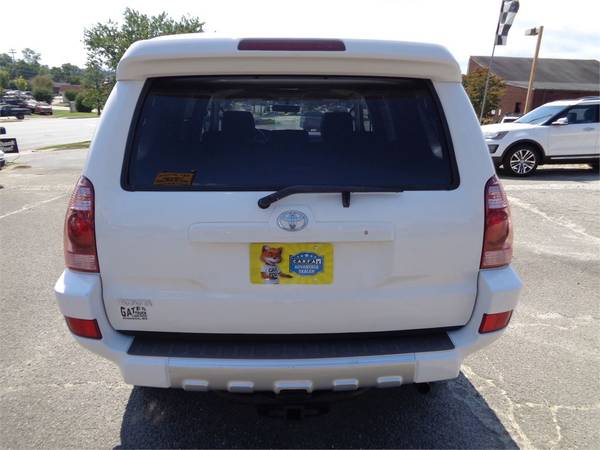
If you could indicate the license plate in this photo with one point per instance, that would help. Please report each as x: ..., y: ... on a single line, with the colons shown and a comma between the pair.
x: 297, y: 263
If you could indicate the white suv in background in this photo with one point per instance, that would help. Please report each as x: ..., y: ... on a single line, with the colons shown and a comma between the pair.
x: 560, y: 132
x: 214, y: 243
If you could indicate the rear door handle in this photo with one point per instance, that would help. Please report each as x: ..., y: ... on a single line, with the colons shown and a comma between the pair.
x: 589, y: 129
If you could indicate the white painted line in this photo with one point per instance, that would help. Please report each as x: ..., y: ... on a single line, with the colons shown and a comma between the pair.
x: 32, y: 205
x: 557, y: 221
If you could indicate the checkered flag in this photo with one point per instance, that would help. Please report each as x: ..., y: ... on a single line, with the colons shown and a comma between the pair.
x: 508, y: 12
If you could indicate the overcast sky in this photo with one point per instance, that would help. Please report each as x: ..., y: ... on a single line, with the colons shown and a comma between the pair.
x: 55, y: 28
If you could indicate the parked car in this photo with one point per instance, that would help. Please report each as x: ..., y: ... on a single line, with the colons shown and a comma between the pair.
x: 43, y: 108
x: 2, y: 159
x: 311, y: 120
x: 565, y: 131
x: 16, y: 111
x: 31, y: 104
x: 509, y: 118
x: 245, y: 259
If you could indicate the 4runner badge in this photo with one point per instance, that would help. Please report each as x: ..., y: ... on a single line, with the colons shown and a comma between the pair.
x: 292, y: 220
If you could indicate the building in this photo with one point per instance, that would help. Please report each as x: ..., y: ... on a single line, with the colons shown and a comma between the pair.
x: 60, y: 88
x: 555, y: 79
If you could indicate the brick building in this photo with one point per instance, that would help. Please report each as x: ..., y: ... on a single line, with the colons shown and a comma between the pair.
x: 556, y: 79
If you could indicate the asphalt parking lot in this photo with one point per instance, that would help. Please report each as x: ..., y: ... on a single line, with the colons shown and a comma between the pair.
x: 537, y: 387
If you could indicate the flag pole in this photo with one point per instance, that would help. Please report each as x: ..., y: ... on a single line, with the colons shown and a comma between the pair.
x: 487, y: 82
x: 487, y: 78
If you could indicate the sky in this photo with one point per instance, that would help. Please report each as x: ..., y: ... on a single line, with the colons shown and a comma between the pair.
x: 465, y: 27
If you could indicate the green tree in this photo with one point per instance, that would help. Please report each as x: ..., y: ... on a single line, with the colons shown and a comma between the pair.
x: 96, y: 86
x: 41, y: 86
x: 80, y: 103
x: 67, y: 73
x: 474, y: 84
x: 4, y: 78
x: 70, y: 95
x: 42, y: 82
x: 107, y: 42
x: 31, y: 56
x: 19, y: 83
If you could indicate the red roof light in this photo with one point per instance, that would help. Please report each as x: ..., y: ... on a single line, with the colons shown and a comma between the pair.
x: 292, y: 45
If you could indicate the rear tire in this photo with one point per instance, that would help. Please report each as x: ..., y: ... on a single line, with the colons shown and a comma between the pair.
x: 521, y: 161
x: 20, y: 116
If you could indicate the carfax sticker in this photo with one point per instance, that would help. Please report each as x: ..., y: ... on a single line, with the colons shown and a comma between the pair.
x: 174, y: 179
x: 135, y: 309
x: 297, y: 263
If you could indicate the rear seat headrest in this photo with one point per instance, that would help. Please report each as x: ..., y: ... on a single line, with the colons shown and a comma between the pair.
x: 238, y: 124
x: 336, y: 126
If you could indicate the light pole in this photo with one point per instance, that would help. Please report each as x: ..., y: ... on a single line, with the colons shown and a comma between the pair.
x: 533, y: 32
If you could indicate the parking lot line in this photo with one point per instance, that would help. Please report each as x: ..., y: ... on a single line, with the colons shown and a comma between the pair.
x: 31, y: 206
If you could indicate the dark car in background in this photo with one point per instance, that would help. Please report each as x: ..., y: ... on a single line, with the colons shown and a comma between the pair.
x: 16, y: 111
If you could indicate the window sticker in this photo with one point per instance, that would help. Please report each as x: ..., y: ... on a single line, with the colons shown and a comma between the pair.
x: 174, y: 179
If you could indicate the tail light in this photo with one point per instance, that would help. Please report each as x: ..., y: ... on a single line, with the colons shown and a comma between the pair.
x: 494, y: 322
x: 84, y: 327
x: 80, y: 234
x: 497, y: 237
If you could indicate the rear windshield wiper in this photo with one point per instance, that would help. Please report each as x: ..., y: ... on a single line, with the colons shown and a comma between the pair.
x: 267, y: 200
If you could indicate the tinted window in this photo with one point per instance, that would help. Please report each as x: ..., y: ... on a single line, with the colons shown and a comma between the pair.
x: 581, y: 114
x: 541, y: 114
x: 266, y: 133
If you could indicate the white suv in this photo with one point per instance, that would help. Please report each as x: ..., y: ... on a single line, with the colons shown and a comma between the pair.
x: 213, y: 243
x: 560, y: 132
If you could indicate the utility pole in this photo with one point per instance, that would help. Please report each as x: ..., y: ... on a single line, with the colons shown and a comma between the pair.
x: 533, y: 32
x: 12, y: 51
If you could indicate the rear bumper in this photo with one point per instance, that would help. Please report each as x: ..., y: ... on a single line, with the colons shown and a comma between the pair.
x: 79, y: 295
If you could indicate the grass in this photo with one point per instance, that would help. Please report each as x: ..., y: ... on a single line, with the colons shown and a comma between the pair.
x: 60, y: 113
x: 69, y: 146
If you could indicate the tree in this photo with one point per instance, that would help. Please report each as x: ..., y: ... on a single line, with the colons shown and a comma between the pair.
x: 70, y: 95
x: 31, y: 57
x: 107, y: 42
x: 474, y: 84
x: 4, y: 79
x: 19, y: 83
x: 96, y: 86
x: 67, y: 73
x: 42, y: 86
x: 43, y: 82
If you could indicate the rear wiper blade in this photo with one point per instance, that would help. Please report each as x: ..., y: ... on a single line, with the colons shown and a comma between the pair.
x: 268, y: 200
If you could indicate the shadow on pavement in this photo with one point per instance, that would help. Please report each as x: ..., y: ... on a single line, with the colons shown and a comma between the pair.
x: 453, y: 415
x: 579, y: 173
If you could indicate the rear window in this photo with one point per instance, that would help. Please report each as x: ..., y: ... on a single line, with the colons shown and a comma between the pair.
x: 267, y: 133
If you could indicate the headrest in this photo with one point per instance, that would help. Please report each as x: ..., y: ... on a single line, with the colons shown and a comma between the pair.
x: 572, y: 117
x: 336, y: 126
x: 238, y: 124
